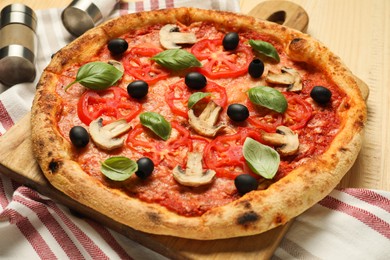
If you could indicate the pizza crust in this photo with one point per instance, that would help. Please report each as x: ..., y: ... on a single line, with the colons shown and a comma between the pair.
x: 254, y: 212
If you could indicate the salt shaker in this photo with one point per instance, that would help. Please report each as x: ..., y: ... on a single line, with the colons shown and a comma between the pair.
x: 82, y: 15
x: 18, y: 44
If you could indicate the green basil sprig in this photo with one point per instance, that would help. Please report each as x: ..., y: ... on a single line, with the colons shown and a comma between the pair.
x: 196, y: 97
x: 176, y: 59
x: 262, y: 159
x: 265, y: 48
x: 268, y: 97
x: 118, y: 168
x: 157, y: 124
x: 97, y: 75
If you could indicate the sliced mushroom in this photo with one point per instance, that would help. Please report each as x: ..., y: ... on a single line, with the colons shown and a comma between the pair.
x: 205, y: 123
x: 116, y: 64
x: 170, y: 37
x: 106, y: 137
x: 288, y: 76
x: 285, y: 140
x: 193, y: 175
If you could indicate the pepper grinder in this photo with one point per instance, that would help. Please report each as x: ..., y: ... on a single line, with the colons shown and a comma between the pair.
x: 18, y: 44
x: 82, y: 15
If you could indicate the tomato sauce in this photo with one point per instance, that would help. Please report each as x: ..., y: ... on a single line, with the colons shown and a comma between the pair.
x: 316, y: 125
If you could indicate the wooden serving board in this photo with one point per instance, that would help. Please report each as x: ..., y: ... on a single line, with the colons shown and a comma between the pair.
x: 18, y: 162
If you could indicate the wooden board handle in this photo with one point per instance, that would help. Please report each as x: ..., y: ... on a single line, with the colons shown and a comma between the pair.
x: 282, y: 12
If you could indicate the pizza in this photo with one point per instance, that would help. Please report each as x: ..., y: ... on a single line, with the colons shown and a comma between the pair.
x: 196, y: 123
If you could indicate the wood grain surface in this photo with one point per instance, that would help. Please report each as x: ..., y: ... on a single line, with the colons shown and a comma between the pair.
x: 356, y: 30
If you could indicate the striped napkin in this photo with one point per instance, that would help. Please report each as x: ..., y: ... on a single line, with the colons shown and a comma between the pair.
x: 348, y: 223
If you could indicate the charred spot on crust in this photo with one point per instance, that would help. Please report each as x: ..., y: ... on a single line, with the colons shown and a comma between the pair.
x: 246, y: 204
x: 279, y: 219
x: 295, y: 40
x: 48, y: 107
x: 54, y: 166
x: 359, y: 124
x: 40, y: 143
x: 297, y: 44
x: 154, y: 217
x: 247, y: 218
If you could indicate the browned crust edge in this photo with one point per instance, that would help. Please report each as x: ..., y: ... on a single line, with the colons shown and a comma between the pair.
x: 253, y: 213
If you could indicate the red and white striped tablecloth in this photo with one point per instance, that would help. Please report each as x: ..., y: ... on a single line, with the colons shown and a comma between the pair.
x: 347, y: 224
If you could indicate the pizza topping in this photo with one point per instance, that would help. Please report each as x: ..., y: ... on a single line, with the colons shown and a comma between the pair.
x: 204, y: 124
x: 170, y: 37
x: 224, y: 153
x: 112, y: 104
x: 298, y: 112
x: 176, y: 59
x: 256, y: 68
x: 195, y: 80
x: 262, y: 159
x: 118, y: 168
x: 245, y: 183
x: 138, y: 89
x: 117, y: 65
x: 145, y: 167
x: 138, y: 63
x: 265, y: 48
x: 264, y: 118
x: 196, y: 97
x: 219, y: 63
x: 237, y: 112
x: 117, y: 46
x: 288, y: 76
x: 268, y: 97
x: 284, y: 139
x: 178, y: 94
x: 97, y: 76
x: 230, y: 41
x: 157, y: 124
x: 79, y: 136
x: 106, y: 137
x: 193, y: 175
x: 321, y: 95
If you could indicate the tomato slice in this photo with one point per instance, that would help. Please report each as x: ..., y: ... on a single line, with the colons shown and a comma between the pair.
x: 177, y: 98
x: 298, y: 111
x: 218, y: 63
x: 263, y: 118
x: 178, y: 95
x: 169, y: 153
x: 224, y: 153
x: 137, y: 63
x: 112, y: 104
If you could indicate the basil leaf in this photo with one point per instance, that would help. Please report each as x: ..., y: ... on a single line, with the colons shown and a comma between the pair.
x: 195, y: 97
x: 268, y: 97
x: 97, y: 75
x: 262, y: 159
x: 176, y: 59
x: 157, y: 124
x: 118, y: 168
x: 265, y: 48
